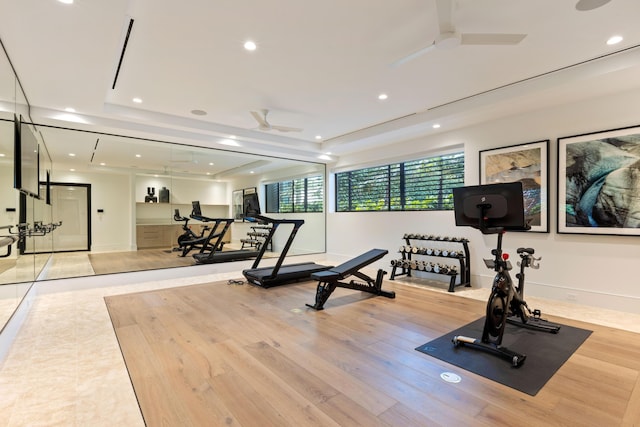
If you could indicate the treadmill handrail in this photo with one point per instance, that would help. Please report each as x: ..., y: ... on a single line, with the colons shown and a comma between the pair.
x: 202, y: 218
x: 297, y: 223
x: 220, y: 235
x: 278, y: 221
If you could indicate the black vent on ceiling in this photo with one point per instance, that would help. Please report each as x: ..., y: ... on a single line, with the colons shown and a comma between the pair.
x: 124, y: 48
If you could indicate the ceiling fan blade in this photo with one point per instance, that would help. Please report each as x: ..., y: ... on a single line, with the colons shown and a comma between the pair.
x: 445, y: 16
x: 262, y: 120
x: 412, y: 56
x: 285, y: 128
x: 491, y: 39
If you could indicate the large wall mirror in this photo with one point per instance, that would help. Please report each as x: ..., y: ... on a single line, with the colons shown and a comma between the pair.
x: 110, y: 203
x: 17, y: 272
x: 123, y: 204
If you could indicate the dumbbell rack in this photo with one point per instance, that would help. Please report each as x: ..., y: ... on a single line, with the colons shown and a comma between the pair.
x: 404, y: 266
x: 255, y: 237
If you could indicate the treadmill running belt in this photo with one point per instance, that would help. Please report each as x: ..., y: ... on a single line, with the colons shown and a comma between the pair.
x: 287, y: 273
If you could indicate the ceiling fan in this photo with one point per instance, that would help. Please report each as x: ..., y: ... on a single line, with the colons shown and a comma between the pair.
x: 449, y: 38
x: 263, y: 124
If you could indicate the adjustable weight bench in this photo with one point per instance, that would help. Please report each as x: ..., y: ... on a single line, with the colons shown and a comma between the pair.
x: 330, y: 279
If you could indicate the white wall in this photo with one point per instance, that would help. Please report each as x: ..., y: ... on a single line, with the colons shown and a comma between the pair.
x: 184, y: 190
x: 112, y: 230
x: 585, y: 269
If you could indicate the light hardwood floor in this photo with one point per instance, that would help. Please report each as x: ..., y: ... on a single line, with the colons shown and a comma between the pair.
x: 218, y: 354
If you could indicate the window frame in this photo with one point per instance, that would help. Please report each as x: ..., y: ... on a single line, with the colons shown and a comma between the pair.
x: 400, y: 179
x: 296, y: 206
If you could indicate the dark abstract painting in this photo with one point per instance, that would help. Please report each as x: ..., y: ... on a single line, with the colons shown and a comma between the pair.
x: 599, y: 183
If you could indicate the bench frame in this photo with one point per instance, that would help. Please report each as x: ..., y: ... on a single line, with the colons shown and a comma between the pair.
x: 331, y: 279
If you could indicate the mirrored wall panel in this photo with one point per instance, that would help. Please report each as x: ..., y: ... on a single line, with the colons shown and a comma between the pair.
x: 127, y: 204
x: 93, y: 203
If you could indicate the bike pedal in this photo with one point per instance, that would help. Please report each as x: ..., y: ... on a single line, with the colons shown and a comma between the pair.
x: 537, y: 313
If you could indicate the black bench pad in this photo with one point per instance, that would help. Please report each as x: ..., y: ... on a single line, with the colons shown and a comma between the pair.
x: 349, y: 267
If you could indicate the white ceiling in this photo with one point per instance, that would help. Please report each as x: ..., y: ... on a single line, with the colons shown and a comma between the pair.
x: 319, y: 66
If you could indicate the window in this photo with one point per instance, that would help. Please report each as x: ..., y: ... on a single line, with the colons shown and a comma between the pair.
x: 297, y: 195
x: 425, y: 184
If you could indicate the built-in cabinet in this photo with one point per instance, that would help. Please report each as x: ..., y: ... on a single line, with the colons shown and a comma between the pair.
x: 156, y: 227
x: 155, y: 224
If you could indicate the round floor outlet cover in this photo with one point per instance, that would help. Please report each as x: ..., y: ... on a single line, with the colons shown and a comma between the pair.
x: 450, y: 377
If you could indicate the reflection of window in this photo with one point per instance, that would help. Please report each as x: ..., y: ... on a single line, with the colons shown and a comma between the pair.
x: 297, y: 195
x: 424, y: 184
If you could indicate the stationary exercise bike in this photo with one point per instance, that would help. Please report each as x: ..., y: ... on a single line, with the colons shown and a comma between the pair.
x: 527, y: 318
x: 189, y: 240
x: 494, y: 209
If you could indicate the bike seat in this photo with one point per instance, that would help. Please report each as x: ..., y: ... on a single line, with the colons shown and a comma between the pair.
x: 529, y: 251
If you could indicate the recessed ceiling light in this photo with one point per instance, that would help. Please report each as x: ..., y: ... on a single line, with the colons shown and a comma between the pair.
x: 318, y: 137
x: 383, y: 96
x: 229, y: 142
x: 210, y: 163
x: 250, y: 45
x: 72, y: 170
x: 72, y: 154
x: 70, y: 110
x: 66, y: 1
x: 198, y: 112
x: 324, y: 157
x: 614, y: 40
x: 208, y: 173
x: 137, y: 100
x: 232, y: 136
x: 252, y: 172
x: 138, y: 155
x: 102, y: 164
x: 436, y: 126
x: 2, y: 154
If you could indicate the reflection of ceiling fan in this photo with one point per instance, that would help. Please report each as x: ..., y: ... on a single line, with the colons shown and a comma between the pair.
x: 263, y: 124
x: 448, y: 38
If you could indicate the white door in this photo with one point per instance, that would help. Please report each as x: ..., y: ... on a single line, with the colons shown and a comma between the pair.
x: 71, y: 206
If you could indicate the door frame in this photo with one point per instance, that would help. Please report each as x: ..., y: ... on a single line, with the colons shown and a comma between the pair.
x: 88, y: 187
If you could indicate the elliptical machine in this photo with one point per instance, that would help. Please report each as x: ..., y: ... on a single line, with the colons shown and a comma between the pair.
x: 494, y: 209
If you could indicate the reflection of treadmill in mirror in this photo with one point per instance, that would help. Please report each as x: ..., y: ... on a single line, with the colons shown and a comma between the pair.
x: 280, y: 274
x: 216, y: 255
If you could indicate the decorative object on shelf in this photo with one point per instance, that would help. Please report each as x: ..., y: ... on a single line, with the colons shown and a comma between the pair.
x: 164, y: 195
x: 151, y: 195
x: 440, y: 247
x: 598, y: 183
x: 527, y: 163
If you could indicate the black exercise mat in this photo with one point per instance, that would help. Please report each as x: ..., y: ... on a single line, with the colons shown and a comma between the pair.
x: 545, y: 352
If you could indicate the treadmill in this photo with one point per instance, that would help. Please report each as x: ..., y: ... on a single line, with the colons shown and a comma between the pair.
x: 279, y: 274
x: 217, y: 254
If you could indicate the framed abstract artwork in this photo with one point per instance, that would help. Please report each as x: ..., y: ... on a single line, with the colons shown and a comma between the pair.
x: 529, y: 164
x: 599, y: 183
